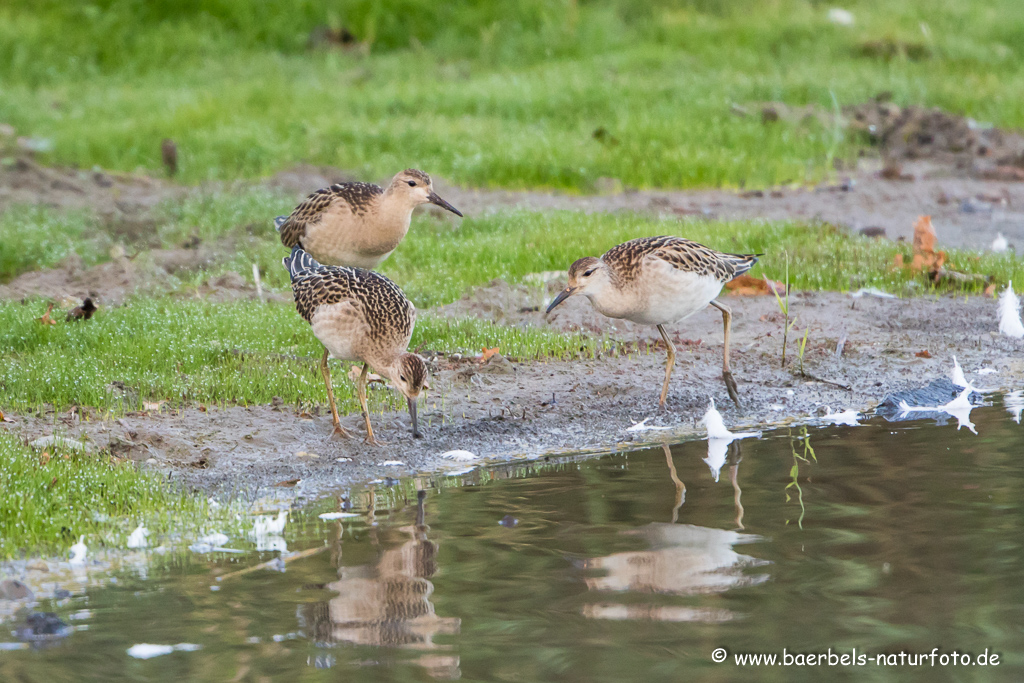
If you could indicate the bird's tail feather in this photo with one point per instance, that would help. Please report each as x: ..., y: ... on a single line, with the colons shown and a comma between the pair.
x: 298, y: 262
x: 742, y: 262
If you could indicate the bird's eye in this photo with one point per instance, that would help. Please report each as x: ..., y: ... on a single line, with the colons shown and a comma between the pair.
x: 588, y: 273
x: 412, y: 183
x: 402, y: 377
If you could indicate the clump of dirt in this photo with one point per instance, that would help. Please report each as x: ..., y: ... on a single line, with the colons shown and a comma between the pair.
x: 113, y: 196
x: 921, y: 133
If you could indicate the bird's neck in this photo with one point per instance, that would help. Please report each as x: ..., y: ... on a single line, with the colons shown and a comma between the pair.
x: 391, y: 223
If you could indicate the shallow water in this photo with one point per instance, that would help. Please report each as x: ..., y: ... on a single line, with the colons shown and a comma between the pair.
x: 633, y: 566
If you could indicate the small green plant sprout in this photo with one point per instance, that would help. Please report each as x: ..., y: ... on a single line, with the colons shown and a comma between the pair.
x: 784, y: 307
x: 803, y: 347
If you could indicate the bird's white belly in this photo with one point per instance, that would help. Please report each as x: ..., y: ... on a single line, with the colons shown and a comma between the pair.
x: 340, y: 329
x: 675, y: 296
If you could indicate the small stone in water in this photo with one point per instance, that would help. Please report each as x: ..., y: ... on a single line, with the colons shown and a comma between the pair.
x: 508, y: 521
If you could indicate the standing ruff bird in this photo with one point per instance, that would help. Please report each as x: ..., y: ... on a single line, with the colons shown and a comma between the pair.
x: 361, y: 316
x: 657, y: 281
x: 358, y: 224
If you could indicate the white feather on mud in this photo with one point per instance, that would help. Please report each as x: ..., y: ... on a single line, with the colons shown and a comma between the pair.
x: 957, y: 377
x: 460, y: 455
x: 719, y: 438
x: 1009, y: 314
x: 642, y: 426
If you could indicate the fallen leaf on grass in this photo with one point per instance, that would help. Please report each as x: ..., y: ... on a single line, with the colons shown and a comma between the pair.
x: 989, y: 291
x: 923, y: 353
x: 745, y: 285
x: 487, y: 353
x: 44, y: 457
x: 46, y: 319
x: 925, y: 239
x: 4, y: 418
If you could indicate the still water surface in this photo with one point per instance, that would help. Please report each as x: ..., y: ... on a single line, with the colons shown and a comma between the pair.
x: 633, y: 566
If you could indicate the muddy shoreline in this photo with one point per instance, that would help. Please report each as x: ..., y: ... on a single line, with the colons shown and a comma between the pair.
x: 506, y: 410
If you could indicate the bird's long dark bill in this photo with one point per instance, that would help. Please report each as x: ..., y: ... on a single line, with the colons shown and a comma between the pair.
x: 562, y: 296
x: 412, y: 413
x: 434, y: 199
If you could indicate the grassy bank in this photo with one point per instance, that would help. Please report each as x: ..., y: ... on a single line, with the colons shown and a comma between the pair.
x: 187, y: 351
x: 48, y: 502
x: 518, y: 94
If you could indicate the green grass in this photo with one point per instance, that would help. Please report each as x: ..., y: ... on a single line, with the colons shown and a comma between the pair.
x: 37, y: 237
x: 432, y: 265
x: 491, y: 94
x: 188, y: 352
x: 45, y: 507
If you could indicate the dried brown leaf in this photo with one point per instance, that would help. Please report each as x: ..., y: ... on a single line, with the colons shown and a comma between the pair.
x: 46, y: 319
x: 745, y: 285
x: 487, y: 353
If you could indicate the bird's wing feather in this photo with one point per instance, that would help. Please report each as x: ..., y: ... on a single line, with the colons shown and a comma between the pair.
x: 356, y: 197
x: 627, y: 258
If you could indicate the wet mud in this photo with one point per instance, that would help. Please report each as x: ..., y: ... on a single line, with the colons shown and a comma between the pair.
x: 858, y: 351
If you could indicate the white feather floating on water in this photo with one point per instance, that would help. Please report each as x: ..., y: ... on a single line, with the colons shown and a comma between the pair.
x: 79, y: 552
x: 138, y: 538
x: 148, y: 650
x: 999, y: 244
x: 1009, y: 314
x: 719, y: 438
x: 846, y: 417
x: 1014, y: 404
x: 460, y: 455
x: 266, y: 532
x: 960, y: 408
x: 268, y: 524
x: 338, y: 515
x: 642, y: 426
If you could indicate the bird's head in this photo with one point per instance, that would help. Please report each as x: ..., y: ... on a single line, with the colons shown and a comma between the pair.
x: 409, y: 374
x: 416, y: 188
x: 587, y: 276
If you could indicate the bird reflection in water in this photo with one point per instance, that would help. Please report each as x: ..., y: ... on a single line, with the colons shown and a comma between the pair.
x: 683, y: 559
x: 387, y: 603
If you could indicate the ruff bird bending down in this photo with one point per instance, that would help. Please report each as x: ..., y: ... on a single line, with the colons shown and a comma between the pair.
x: 657, y: 281
x: 360, y: 316
x: 358, y: 224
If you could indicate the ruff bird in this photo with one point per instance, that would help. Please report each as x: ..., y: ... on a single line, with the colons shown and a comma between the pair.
x: 358, y: 224
x: 359, y: 315
x: 657, y: 281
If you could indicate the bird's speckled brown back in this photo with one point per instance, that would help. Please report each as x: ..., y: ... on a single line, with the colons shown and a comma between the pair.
x: 389, y: 314
x: 625, y: 260
x: 358, y: 196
